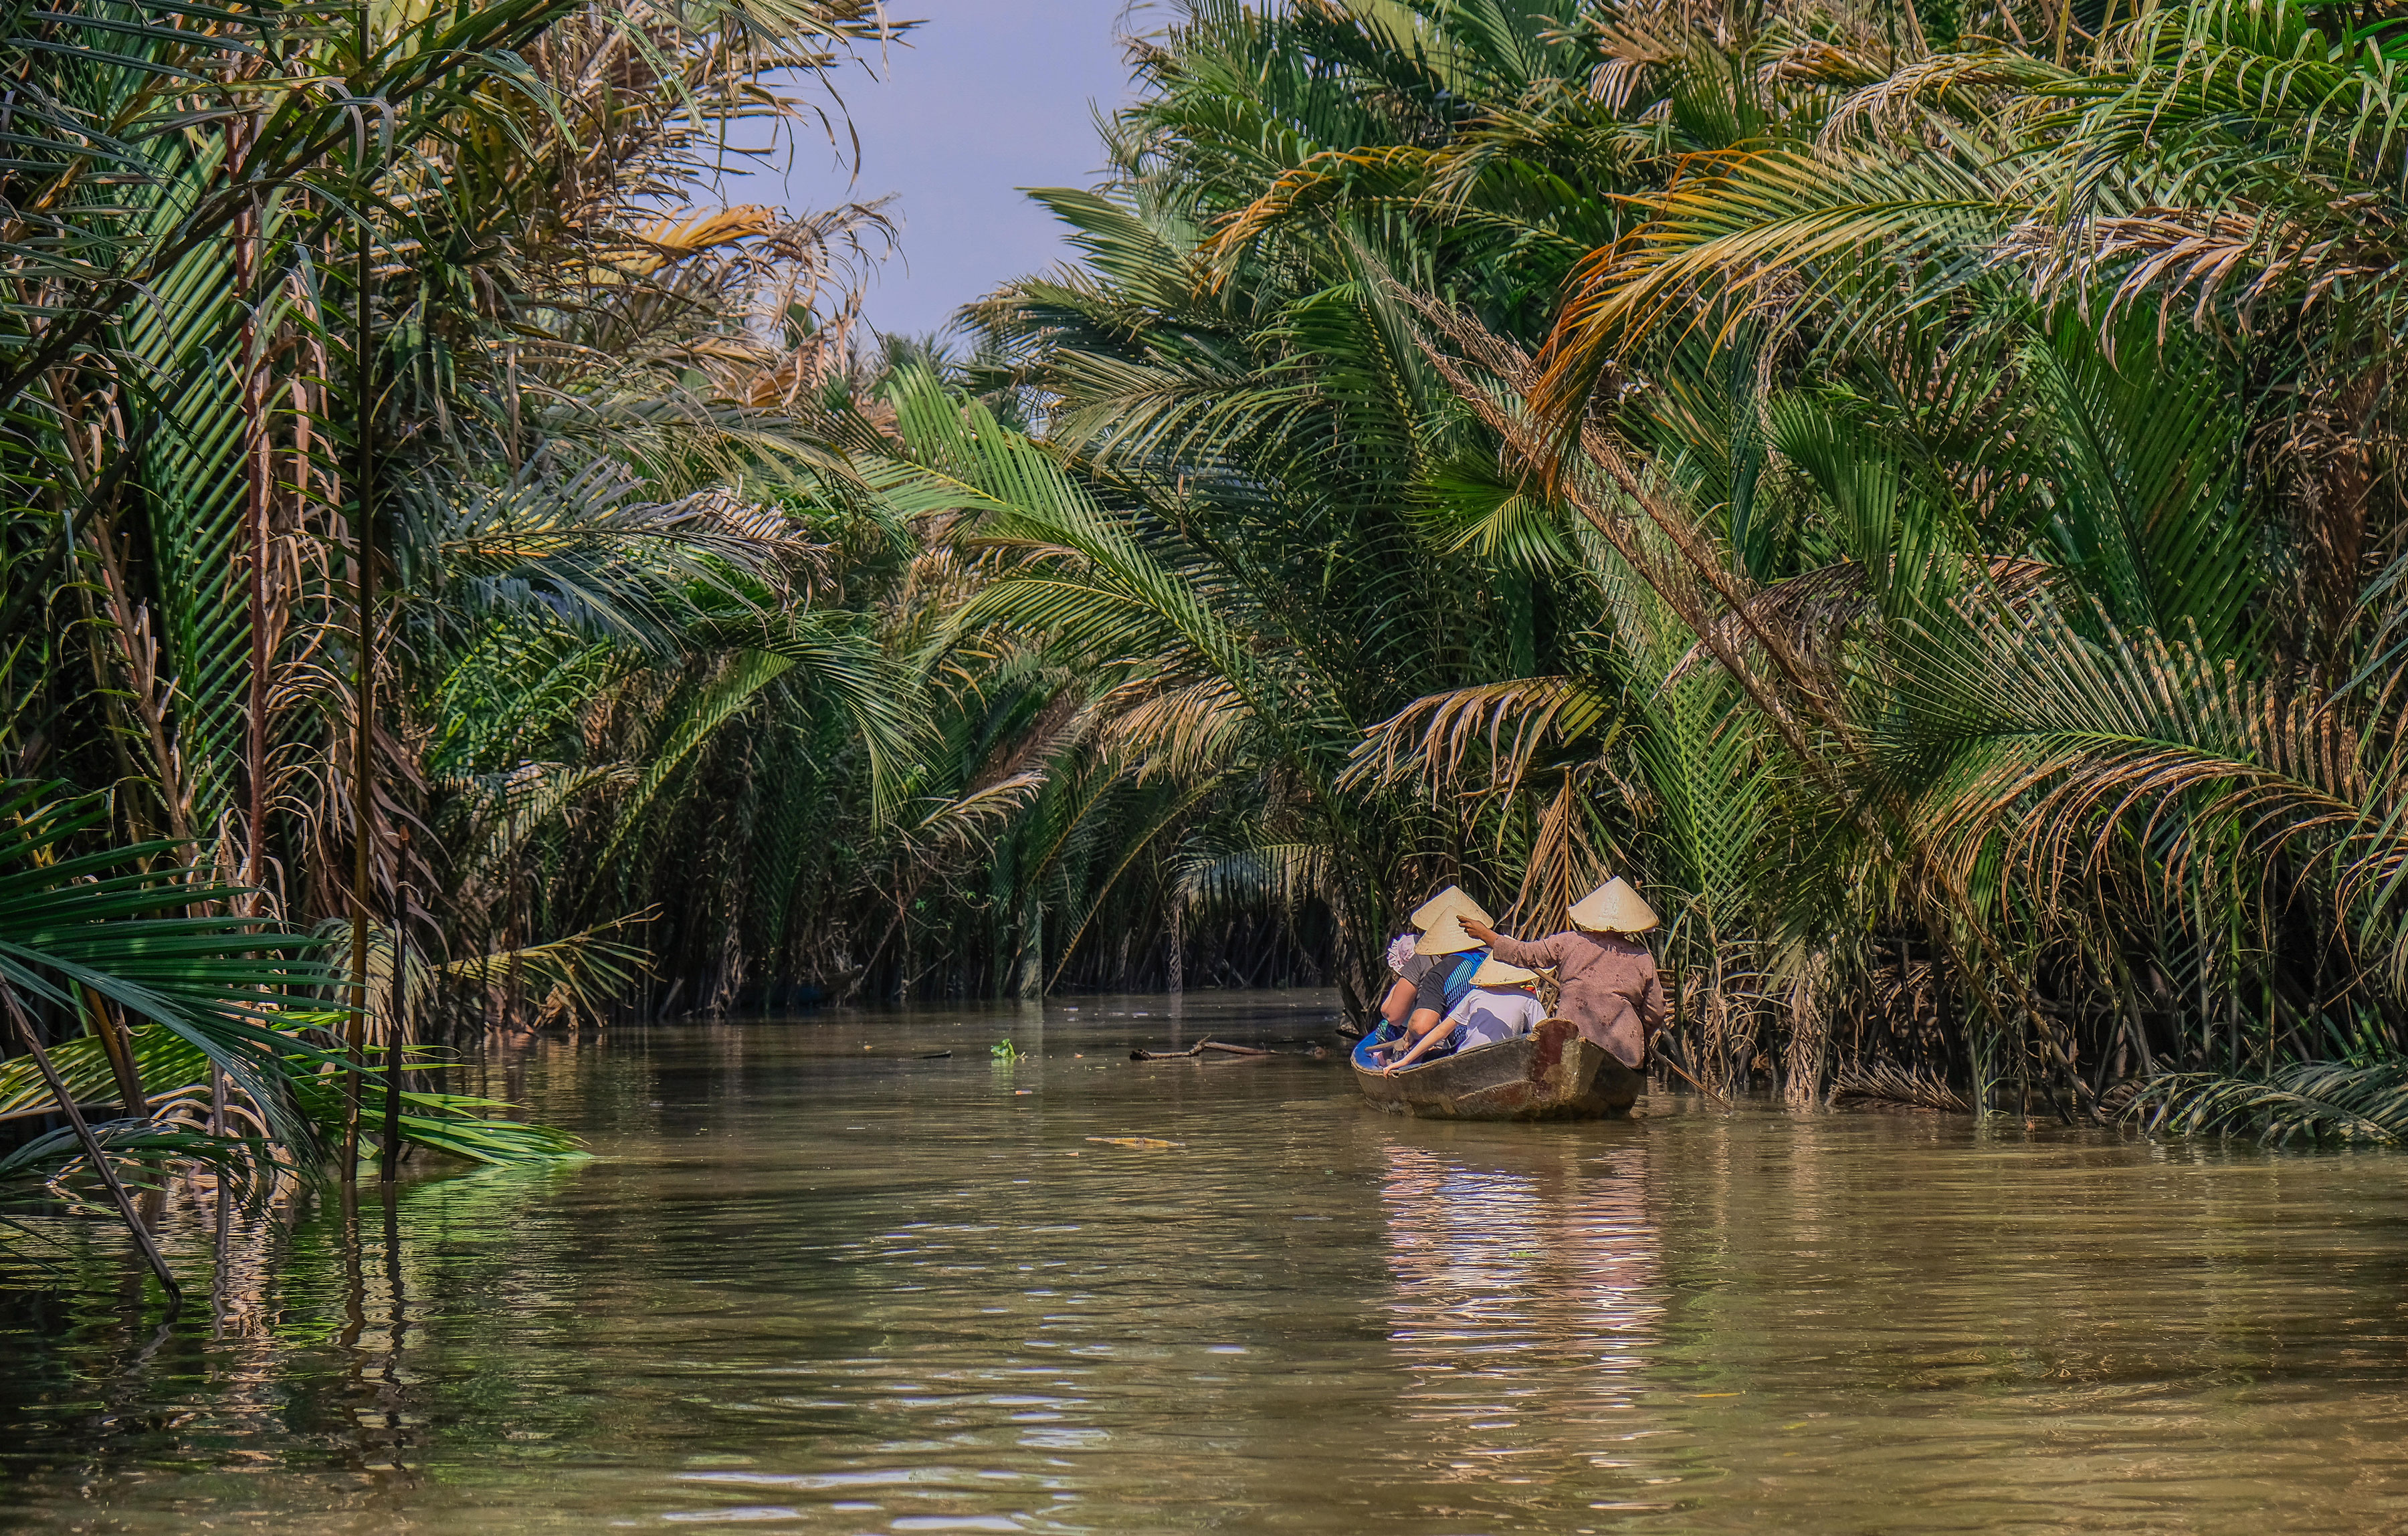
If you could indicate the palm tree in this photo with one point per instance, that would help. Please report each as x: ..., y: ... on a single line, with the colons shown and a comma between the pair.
x: 595, y: 446
x: 1945, y: 488
x: 2110, y: 687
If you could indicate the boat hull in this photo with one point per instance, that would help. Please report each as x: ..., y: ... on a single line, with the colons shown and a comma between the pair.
x: 1551, y: 1073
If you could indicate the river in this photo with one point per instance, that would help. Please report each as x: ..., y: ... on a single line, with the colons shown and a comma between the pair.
x: 812, y: 1282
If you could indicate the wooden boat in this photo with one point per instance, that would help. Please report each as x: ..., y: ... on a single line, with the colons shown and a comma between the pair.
x: 1550, y: 1073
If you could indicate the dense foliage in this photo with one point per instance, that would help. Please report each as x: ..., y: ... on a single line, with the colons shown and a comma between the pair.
x: 1913, y: 486
x: 402, y: 294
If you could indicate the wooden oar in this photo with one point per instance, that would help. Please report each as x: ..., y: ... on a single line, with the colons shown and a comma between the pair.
x: 1686, y: 1079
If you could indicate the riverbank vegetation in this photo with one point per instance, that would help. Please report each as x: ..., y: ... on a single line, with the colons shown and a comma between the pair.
x: 1914, y: 487
x: 403, y: 464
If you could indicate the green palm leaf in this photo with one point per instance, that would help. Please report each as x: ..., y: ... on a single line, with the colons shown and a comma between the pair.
x: 103, y: 921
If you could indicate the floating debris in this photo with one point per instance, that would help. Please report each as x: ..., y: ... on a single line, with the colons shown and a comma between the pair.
x: 1142, y: 1144
x: 1197, y: 1049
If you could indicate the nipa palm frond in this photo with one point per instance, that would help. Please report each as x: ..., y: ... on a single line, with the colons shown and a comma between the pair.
x: 2305, y: 1101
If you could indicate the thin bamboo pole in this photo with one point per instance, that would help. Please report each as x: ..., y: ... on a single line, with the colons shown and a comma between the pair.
x: 92, y: 1148
x: 396, y: 1019
x: 258, y: 528
x: 1702, y: 1087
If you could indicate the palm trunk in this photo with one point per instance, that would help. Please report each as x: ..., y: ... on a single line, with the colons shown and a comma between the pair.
x: 364, y: 765
x: 1028, y: 968
x: 110, y: 1031
x: 259, y: 474
x: 1178, y: 964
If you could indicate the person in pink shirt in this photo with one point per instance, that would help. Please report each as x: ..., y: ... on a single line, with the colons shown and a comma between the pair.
x: 1606, y: 980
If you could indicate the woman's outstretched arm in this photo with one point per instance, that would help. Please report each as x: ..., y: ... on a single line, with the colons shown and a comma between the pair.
x: 1532, y: 954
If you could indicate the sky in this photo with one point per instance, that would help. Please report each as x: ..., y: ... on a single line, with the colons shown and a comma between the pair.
x: 990, y: 95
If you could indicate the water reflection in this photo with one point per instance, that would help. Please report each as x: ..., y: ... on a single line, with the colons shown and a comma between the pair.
x: 1527, y: 1297
x: 826, y: 1288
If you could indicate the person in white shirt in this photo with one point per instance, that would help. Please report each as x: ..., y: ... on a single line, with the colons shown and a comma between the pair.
x: 1501, y: 1005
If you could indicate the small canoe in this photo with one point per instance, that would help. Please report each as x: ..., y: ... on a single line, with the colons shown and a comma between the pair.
x: 1550, y: 1073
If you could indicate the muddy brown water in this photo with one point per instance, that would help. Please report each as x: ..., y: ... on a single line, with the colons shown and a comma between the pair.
x: 812, y: 1286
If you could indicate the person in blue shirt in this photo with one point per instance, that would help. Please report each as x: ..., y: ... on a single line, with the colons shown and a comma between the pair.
x: 1455, y: 956
x: 1407, y: 967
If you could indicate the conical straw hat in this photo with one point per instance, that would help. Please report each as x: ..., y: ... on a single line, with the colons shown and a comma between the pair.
x: 1496, y: 972
x: 1613, y: 907
x: 1446, y: 937
x: 1450, y: 900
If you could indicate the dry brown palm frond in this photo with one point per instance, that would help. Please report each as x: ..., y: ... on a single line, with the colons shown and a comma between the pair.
x: 942, y: 575
x: 1564, y: 866
x: 1814, y: 606
x: 1899, y: 102
x: 1322, y: 177
x: 1828, y: 61
x: 966, y: 820
x: 1808, y: 607
x: 1427, y: 742
x: 2222, y: 259
x: 1777, y: 234
x: 1066, y: 717
x: 719, y: 293
x: 1631, y: 52
x: 1639, y: 48
x: 1887, y: 1083
x: 664, y: 241
x: 1180, y: 732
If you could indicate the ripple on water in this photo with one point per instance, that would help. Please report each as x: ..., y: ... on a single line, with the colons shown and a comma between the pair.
x: 965, y: 1316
